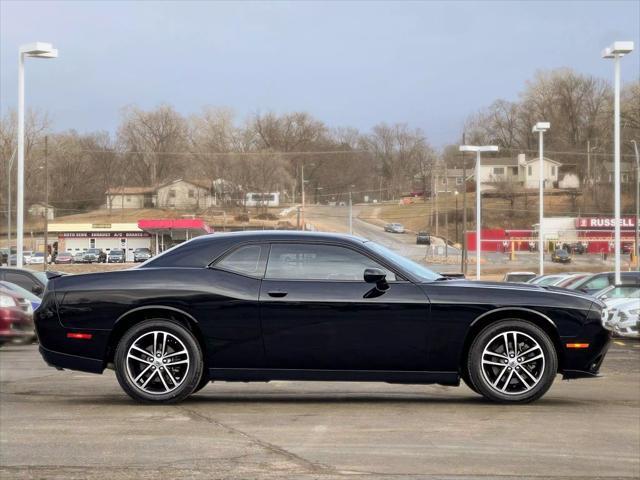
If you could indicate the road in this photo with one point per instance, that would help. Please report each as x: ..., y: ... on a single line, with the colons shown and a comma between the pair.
x: 69, y: 425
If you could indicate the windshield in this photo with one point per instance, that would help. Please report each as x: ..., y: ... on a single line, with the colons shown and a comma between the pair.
x: 115, y: 252
x: 42, y: 277
x: 423, y: 273
x: 93, y: 250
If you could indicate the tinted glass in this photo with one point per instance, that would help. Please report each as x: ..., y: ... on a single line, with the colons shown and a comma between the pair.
x: 319, y: 262
x: 597, y: 283
x: 403, y: 262
x: 20, y: 279
x: 245, y: 260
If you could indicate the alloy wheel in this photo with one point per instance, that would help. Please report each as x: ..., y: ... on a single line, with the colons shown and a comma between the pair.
x: 157, y: 362
x: 513, y: 363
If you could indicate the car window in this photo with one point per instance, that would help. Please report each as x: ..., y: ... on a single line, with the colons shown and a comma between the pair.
x: 247, y: 260
x: 319, y: 262
x: 597, y: 283
x: 624, y: 291
x: 20, y: 279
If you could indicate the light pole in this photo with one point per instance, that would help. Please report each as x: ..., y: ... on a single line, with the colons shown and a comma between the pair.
x: 37, y: 50
x: 637, y: 219
x: 615, y: 51
x: 478, y: 150
x: 350, y: 210
x: 456, y: 195
x: 540, y: 128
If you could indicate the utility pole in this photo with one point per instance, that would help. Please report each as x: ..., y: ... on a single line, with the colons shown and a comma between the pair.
x: 637, y: 219
x: 435, y: 199
x: 463, y: 257
x: 46, y: 202
x: 350, y: 213
x: 10, y: 178
x: 302, y: 193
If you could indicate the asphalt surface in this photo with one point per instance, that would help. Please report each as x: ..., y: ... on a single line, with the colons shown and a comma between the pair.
x: 70, y: 425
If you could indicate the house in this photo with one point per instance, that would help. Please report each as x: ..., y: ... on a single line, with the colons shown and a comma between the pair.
x: 450, y: 180
x: 180, y: 193
x: 42, y: 209
x: 606, y: 172
x: 130, y: 197
x: 185, y: 194
x: 519, y: 170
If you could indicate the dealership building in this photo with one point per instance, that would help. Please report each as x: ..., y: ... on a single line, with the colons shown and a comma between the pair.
x: 154, y: 234
x: 595, y: 233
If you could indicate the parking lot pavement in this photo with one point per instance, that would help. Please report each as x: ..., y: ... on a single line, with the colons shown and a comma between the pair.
x: 70, y: 425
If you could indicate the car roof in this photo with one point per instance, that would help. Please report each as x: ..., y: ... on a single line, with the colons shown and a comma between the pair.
x: 280, y: 235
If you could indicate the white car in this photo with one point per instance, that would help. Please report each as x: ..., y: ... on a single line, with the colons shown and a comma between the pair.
x: 394, y: 228
x: 626, y: 319
x: 26, y: 256
x: 36, y: 259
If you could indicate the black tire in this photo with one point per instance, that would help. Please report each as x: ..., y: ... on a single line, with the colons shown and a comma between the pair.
x: 541, y: 363
x: 467, y: 380
x: 188, y: 378
x: 204, y: 381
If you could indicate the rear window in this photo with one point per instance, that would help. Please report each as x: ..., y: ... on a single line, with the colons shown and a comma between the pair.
x: 247, y: 260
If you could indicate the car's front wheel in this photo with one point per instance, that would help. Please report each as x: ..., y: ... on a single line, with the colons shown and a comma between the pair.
x: 158, y: 361
x: 512, y: 361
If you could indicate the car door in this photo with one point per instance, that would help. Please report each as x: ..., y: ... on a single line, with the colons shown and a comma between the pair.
x: 317, y: 312
x: 24, y: 280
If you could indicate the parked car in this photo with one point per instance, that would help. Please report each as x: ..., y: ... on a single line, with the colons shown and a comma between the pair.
x: 596, y: 282
x: 16, y: 318
x: 313, y: 306
x: 394, y: 228
x: 30, y: 280
x: 4, y: 256
x: 64, y: 258
x: 423, y: 238
x: 78, y: 257
x: 23, y: 292
x: 518, y: 277
x: 116, y: 256
x: 26, y: 256
x: 571, y: 279
x: 560, y: 255
x: 95, y: 255
x: 626, y: 247
x: 577, y: 247
x: 547, y: 279
x: 626, y: 319
x: 141, y: 254
x: 37, y: 258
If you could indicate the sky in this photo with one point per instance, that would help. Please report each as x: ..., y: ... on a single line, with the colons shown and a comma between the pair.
x: 429, y: 64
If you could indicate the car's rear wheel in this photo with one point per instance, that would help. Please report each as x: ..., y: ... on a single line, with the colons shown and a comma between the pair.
x: 158, y: 361
x: 512, y: 361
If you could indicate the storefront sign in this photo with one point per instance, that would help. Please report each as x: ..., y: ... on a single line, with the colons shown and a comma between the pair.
x: 604, y: 222
x: 103, y: 234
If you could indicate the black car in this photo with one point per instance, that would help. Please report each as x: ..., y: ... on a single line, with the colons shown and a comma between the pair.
x: 560, y: 255
x: 423, y: 238
x: 4, y: 256
x: 141, y: 255
x: 116, y: 256
x: 30, y: 280
x: 276, y: 305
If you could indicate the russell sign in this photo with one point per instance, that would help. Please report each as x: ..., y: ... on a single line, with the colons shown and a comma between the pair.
x: 604, y: 223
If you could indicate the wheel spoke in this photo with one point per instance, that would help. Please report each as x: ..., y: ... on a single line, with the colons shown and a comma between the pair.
x: 532, y: 359
x: 179, y: 362
x: 181, y: 352
x: 495, y: 384
x: 148, y: 378
x: 515, y: 343
x: 133, y: 347
x: 138, y: 359
x: 488, y: 362
x: 166, y: 387
x: 522, y: 380
x: 164, y: 343
x: 506, y: 384
x: 526, y: 370
x: 155, y: 343
x: 494, y: 354
x: 142, y: 373
x: 506, y: 343
x: 528, y: 351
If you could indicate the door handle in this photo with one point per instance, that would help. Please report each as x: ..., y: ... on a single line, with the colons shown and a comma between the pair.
x: 277, y: 293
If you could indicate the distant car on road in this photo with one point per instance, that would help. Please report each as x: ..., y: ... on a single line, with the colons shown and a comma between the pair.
x: 560, y: 255
x: 596, y: 282
x: 141, y: 254
x: 423, y: 238
x: 394, y: 228
x: 518, y: 277
x: 63, y: 258
x: 116, y: 256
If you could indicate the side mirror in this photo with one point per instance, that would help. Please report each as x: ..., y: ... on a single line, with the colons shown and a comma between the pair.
x: 377, y: 276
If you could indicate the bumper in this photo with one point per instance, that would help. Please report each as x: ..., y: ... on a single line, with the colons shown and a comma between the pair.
x: 73, y: 362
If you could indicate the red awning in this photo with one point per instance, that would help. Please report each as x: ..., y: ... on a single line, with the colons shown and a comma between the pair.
x: 165, y: 224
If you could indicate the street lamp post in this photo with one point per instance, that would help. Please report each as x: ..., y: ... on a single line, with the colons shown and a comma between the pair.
x: 540, y: 128
x: 615, y: 51
x: 37, y: 50
x: 637, y: 219
x: 456, y: 195
x: 478, y: 150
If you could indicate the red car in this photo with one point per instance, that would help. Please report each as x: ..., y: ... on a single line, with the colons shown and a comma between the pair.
x: 16, y: 318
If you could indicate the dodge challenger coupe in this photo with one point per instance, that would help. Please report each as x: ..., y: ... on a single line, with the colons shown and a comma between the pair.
x: 260, y: 306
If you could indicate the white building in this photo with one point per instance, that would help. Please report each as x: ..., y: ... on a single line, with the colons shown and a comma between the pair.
x: 519, y: 170
x: 185, y: 194
x: 262, y: 199
x: 41, y: 209
x: 130, y: 197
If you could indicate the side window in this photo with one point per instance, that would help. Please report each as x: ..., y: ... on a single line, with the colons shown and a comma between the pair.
x: 319, y: 262
x: 598, y: 283
x: 21, y: 280
x: 247, y: 260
